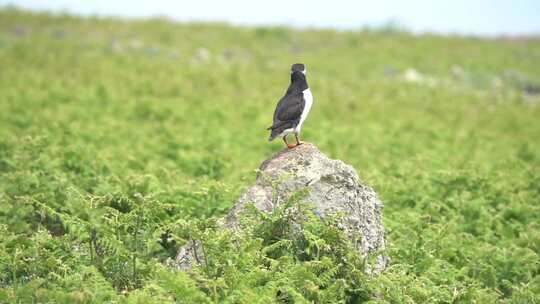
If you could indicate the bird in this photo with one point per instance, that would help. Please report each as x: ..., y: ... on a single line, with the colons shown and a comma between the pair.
x: 293, y: 108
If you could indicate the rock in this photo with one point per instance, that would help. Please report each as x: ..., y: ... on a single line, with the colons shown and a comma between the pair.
x: 202, y: 55
x: 334, y: 187
x: 412, y: 75
x: 457, y: 72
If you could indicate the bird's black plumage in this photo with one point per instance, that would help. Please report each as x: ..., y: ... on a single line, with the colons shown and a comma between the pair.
x: 290, y: 107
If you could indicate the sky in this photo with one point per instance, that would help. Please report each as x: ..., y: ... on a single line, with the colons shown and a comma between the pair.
x: 473, y: 17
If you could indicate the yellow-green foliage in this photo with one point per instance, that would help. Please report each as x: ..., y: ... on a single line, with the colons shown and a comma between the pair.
x: 122, y: 140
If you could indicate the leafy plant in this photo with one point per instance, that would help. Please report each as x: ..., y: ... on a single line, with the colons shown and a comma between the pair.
x: 122, y: 140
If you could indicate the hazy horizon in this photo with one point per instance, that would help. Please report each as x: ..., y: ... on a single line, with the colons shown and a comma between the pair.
x: 481, y: 18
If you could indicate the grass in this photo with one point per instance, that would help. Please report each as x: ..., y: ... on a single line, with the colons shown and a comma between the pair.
x: 119, y: 140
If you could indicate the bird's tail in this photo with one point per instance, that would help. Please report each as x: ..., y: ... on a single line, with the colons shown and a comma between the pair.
x: 274, y: 133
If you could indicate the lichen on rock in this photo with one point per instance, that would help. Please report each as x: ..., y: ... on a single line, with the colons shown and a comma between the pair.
x: 333, y: 187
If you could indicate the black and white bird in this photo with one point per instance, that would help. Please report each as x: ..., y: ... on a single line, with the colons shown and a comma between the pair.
x: 293, y: 108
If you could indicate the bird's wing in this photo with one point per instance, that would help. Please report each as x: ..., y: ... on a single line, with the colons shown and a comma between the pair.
x: 289, y: 108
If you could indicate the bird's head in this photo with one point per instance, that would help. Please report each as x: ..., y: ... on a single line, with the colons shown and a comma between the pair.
x: 298, y: 67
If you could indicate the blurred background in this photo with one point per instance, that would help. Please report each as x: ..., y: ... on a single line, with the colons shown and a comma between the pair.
x: 481, y: 17
x: 128, y: 127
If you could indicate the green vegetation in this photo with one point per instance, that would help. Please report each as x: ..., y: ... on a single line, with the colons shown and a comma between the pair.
x: 121, y: 140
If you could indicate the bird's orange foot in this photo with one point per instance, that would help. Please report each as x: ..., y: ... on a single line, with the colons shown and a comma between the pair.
x: 291, y: 146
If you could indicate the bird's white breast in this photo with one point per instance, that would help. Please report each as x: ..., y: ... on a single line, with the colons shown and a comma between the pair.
x: 308, y: 97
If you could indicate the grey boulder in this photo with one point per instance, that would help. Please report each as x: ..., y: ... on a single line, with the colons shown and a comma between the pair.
x: 333, y: 187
